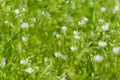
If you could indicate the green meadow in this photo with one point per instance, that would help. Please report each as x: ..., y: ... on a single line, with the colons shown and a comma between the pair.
x: 59, y: 39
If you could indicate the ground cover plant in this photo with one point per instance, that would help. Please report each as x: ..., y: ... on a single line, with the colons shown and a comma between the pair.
x: 59, y: 40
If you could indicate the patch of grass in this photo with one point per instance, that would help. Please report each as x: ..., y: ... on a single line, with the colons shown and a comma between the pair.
x: 59, y: 40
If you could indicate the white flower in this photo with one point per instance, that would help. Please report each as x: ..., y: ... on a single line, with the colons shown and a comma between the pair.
x: 103, y: 9
x: 67, y: 1
x: 58, y: 54
x: 76, y: 32
x: 24, y: 38
x: 17, y: 11
x: 29, y: 70
x: 102, y: 43
x: 83, y: 21
x: 98, y: 58
x: 101, y: 20
x: 83, y: 1
x: 105, y: 27
x: 24, y: 61
x: 25, y: 25
x: 63, y: 78
x: 3, y: 62
x: 116, y: 50
x: 23, y: 9
x: 58, y: 35
x: 116, y: 8
x: 73, y: 48
x: 91, y: 3
x: 64, y: 28
x: 77, y: 37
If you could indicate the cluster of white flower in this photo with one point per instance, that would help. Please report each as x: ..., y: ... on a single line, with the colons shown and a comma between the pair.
x: 98, y: 58
x: 102, y: 43
x: 83, y: 21
x: 76, y: 35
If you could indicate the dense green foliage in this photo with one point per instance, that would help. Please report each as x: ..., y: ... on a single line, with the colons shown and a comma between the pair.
x: 59, y: 40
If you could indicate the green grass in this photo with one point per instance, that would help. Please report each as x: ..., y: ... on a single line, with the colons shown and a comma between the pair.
x: 59, y: 40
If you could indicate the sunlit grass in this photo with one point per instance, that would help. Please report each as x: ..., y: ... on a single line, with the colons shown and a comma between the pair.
x: 59, y: 39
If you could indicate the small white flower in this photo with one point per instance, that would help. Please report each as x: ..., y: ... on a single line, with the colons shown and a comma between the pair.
x: 29, y: 70
x: 85, y: 19
x: 24, y: 38
x: 81, y: 22
x: 63, y: 78
x: 116, y: 50
x: 101, y: 20
x: 105, y: 27
x: 58, y: 54
x: 116, y: 8
x: 58, y: 35
x: 77, y: 37
x: 64, y: 28
x: 23, y: 9
x: 83, y: 1
x: 73, y: 48
x: 91, y: 3
x: 25, y: 25
x: 98, y: 58
x: 102, y: 43
x: 3, y: 62
x: 76, y: 32
x: 103, y: 9
x: 17, y: 11
x: 24, y: 61
x: 67, y: 1
x: 92, y: 34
